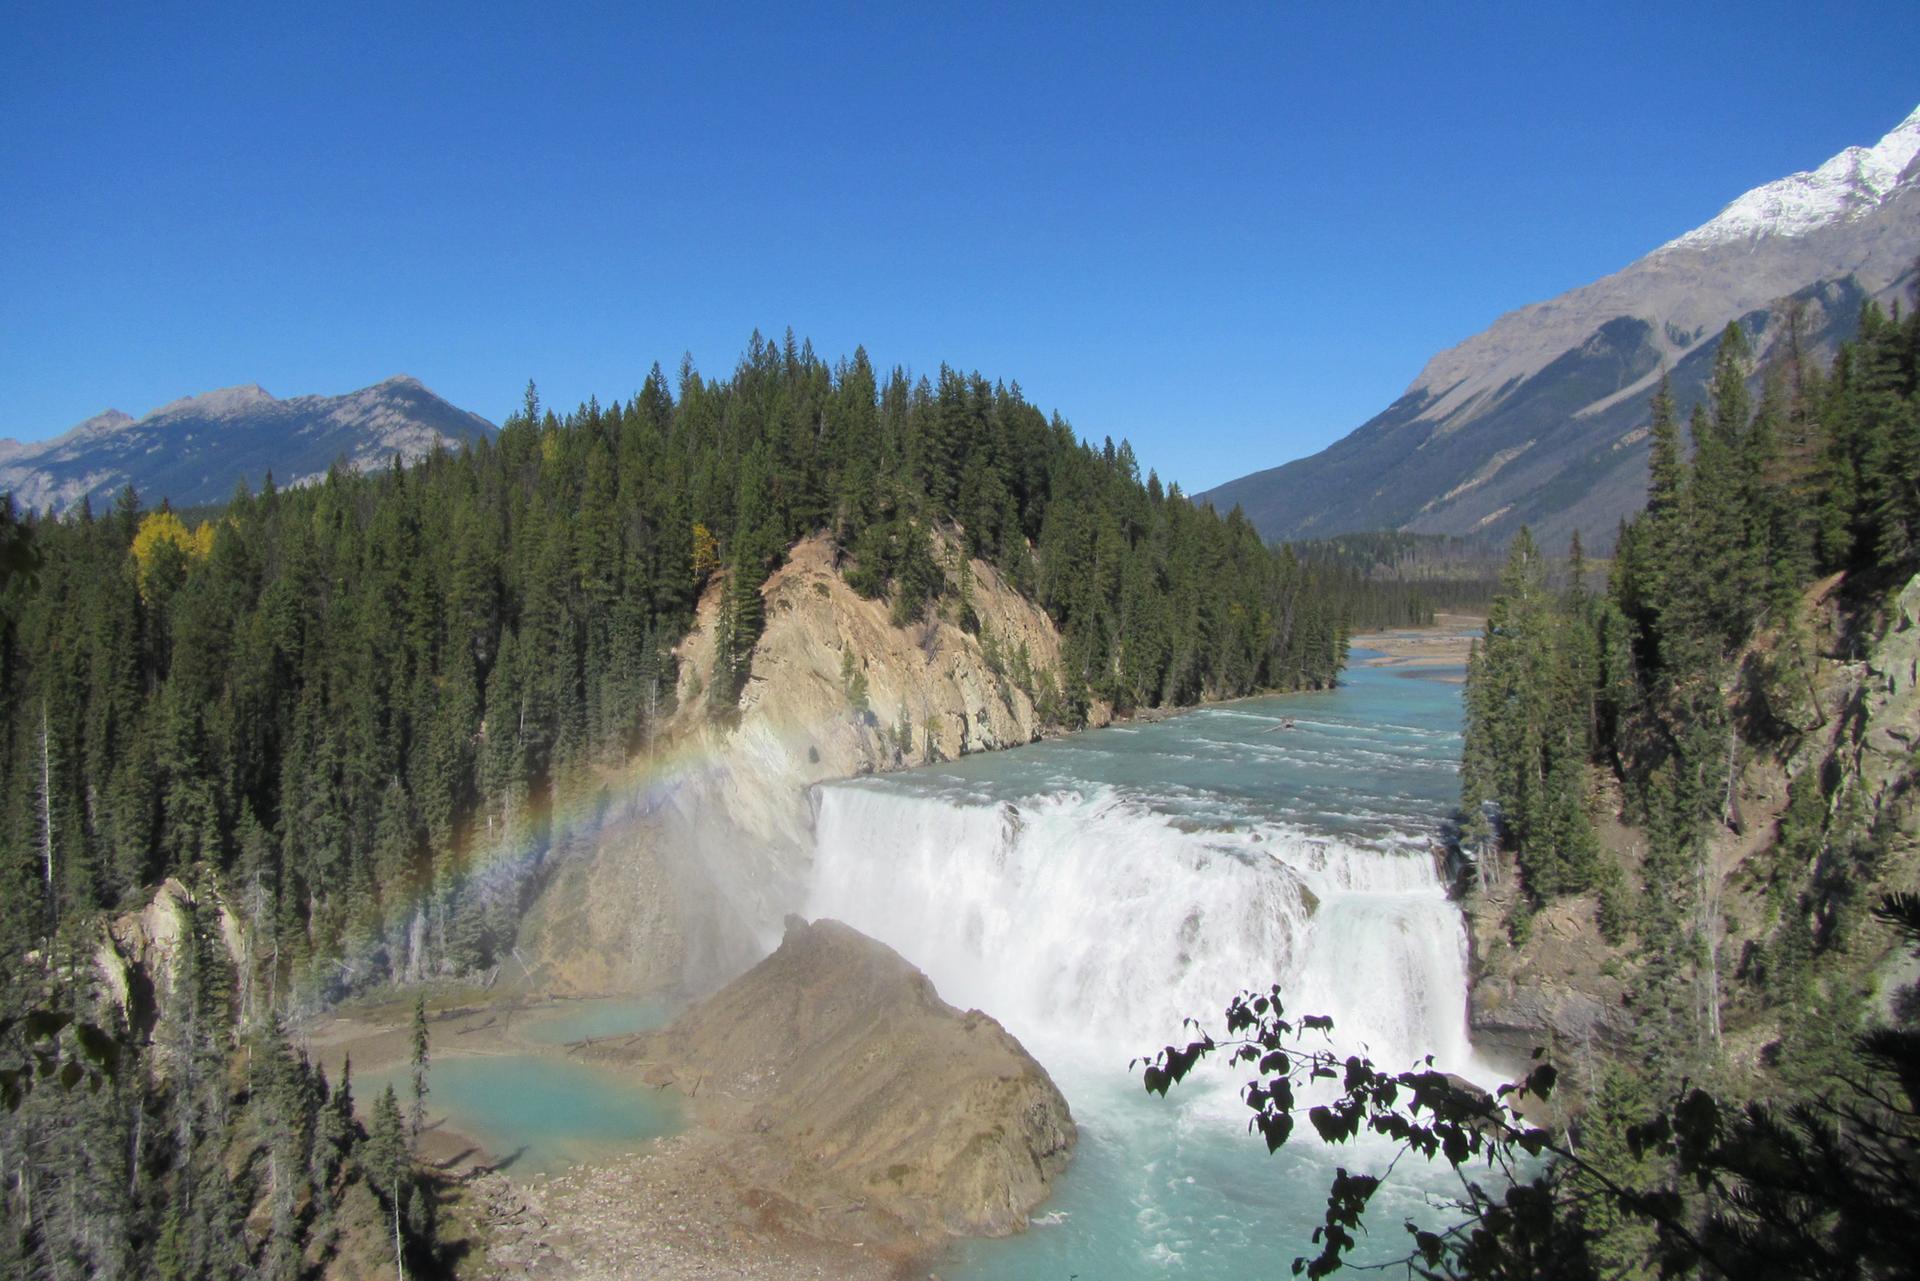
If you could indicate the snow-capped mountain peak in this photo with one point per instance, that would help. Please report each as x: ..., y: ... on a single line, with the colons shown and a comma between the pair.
x: 1540, y: 419
x: 1845, y: 187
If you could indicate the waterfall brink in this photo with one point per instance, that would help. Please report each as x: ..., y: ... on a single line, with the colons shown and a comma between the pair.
x: 1092, y: 925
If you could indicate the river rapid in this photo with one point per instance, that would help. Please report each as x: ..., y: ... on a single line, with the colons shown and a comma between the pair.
x: 1091, y: 892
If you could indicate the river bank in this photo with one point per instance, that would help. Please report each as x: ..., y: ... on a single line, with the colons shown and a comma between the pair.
x: 663, y: 1208
x: 1446, y: 643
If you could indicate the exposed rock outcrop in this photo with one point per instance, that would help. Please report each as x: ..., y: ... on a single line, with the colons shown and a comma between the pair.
x: 1557, y: 990
x: 932, y: 676
x: 139, y: 954
x: 838, y: 1084
x: 704, y: 843
x: 1885, y: 721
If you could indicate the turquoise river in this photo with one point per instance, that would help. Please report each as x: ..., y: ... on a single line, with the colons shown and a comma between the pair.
x: 1090, y: 892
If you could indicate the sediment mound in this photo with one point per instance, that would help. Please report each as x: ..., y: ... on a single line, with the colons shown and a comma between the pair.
x: 851, y: 1096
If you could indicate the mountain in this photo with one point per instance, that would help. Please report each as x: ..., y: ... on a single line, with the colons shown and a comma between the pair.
x: 1541, y: 419
x: 196, y: 449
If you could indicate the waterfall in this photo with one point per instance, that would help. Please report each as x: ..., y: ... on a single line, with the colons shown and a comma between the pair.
x: 1091, y: 925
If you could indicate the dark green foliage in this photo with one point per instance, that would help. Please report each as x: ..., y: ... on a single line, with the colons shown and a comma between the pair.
x: 1657, y: 682
x: 1827, y: 1185
x: 1530, y: 722
x: 895, y: 557
x: 153, y: 1166
x: 385, y: 1155
x: 1397, y: 579
x: 1620, y: 1241
x: 1644, y: 678
x: 1868, y: 513
x: 1616, y: 902
x: 417, y: 1074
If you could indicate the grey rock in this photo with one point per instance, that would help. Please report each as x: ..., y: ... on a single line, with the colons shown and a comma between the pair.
x: 1510, y: 1020
x: 842, y: 1079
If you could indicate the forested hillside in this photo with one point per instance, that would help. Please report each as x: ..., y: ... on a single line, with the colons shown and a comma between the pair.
x: 331, y: 695
x: 1656, y: 679
x: 341, y: 715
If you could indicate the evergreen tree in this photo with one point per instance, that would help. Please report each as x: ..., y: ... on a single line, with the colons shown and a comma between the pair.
x: 417, y: 1113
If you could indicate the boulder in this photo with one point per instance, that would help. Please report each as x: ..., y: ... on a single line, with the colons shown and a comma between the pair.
x: 851, y: 1086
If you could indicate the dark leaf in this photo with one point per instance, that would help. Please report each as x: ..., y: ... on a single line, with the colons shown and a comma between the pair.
x: 1276, y: 1130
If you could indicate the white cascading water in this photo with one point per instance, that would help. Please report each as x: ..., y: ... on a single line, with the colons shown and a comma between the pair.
x: 1091, y: 926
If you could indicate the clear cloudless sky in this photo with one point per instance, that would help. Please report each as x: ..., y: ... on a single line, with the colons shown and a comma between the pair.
x: 1230, y: 232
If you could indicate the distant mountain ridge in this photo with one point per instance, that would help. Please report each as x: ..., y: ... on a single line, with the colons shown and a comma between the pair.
x: 1540, y: 419
x: 196, y: 449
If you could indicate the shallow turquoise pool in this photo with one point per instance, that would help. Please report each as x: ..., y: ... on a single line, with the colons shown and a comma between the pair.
x: 537, y: 1112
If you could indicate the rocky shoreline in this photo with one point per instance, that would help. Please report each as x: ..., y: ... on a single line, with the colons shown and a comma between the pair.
x: 670, y: 1212
x: 667, y: 1209
x: 791, y: 1167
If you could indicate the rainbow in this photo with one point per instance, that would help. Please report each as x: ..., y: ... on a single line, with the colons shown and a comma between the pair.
x: 583, y: 808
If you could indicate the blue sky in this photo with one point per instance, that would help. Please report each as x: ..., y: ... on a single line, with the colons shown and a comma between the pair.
x: 1231, y: 236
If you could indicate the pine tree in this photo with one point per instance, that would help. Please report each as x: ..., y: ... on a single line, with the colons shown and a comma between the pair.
x: 1623, y: 1245
x: 385, y: 1159
x: 286, y: 1121
x: 384, y: 1155
x: 417, y: 1114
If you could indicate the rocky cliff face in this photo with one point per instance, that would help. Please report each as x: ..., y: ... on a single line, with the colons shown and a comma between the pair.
x: 843, y: 1085
x: 1558, y: 990
x: 1878, y: 729
x: 1847, y: 708
x: 704, y: 851
x: 139, y: 955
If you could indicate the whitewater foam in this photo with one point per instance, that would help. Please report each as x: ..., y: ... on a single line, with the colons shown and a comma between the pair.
x: 1092, y: 924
